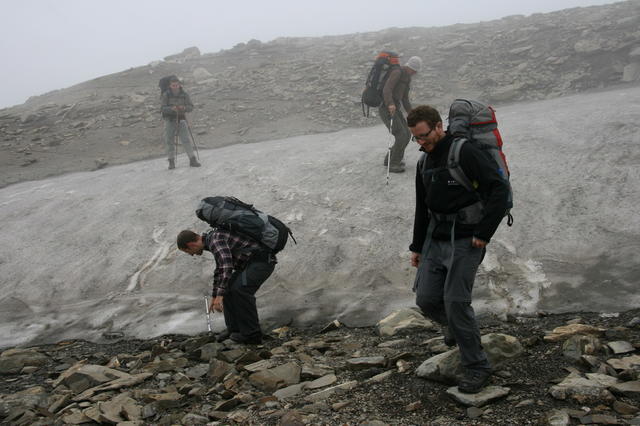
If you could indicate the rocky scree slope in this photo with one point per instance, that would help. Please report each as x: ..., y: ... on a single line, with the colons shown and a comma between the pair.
x: 548, y: 370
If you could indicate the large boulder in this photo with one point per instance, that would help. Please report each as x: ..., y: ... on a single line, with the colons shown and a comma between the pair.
x: 446, y: 367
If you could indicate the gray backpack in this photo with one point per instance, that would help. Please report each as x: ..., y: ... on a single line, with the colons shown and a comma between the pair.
x: 236, y: 216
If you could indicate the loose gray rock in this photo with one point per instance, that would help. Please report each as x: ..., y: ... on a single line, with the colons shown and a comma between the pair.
x: 194, y: 420
x: 219, y: 369
x: 621, y: 347
x: 626, y: 363
x: 325, y: 393
x: 12, y: 361
x: 556, y: 418
x: 486, y: 395
x: 624, y: 408
x: 290, y: 391
x: 630, y: 389
x: 577, y: 346
x: 363, y: 363
x: 321, y: 382
x: 403, y: 320
x: 582, y: 390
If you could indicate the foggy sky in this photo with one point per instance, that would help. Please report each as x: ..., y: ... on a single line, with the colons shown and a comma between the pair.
x: 47, y: 45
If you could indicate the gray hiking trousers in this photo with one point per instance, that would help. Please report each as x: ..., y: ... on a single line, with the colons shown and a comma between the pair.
x: 183, y: 134
x: 400, y: 132
x: 444, y: 295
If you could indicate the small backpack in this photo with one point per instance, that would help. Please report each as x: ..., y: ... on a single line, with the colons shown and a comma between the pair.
x: 236, y: 216
x: 476, y: 122
x: 372, y: 94
x: 164, y: 82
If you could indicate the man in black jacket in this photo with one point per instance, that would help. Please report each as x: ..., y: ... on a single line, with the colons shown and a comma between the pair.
x: 451, y: 229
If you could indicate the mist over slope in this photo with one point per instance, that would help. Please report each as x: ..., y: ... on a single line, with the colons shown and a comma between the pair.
x: 93, y: 252
x: 294, y: 86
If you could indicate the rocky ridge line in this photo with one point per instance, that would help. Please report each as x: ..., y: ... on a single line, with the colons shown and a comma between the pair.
x: 291, y: 86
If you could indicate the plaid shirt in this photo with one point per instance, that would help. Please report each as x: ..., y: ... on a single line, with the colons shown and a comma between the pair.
x: 231, y: 252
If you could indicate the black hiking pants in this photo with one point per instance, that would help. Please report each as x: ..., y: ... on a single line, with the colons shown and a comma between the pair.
x: 443, y: 293
x: 239, y: 302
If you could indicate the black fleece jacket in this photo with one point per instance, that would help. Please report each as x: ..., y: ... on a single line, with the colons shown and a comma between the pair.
x: 437, y: 191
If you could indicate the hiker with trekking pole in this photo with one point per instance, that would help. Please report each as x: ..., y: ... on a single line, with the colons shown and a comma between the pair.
x: 387, y: 87
x: 176, y: 103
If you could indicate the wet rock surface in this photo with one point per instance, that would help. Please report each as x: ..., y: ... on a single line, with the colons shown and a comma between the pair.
x: 139, y: 382
x: 295, y: 86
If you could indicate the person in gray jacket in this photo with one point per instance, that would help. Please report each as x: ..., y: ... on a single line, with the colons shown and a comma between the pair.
x: 175, y: 104
x: 395, y: 94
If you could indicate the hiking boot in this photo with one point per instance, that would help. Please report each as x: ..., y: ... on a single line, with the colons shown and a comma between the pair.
x: 247, y: 340
x: 194, y: 163
x: 222, y: 336
x: 449, y: 340
x: 172, y: 164
x: 474, y: 380
x: 396, y: 169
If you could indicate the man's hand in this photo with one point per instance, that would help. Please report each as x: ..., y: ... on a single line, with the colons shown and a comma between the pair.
x: 216, y: 304
x: 392, y: 110
x: 478, y: 243
x: 415, y: 259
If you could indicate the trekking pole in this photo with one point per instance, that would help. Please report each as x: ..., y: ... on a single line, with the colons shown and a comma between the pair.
x: 193, y: 140
x: 175, y: 139
x: 206, y: 309
x: 389, y: 148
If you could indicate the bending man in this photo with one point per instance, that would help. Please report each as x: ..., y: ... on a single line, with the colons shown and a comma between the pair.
x: 242, y: 266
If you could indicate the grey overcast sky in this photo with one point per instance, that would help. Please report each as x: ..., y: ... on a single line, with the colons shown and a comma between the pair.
x: 49, y: 44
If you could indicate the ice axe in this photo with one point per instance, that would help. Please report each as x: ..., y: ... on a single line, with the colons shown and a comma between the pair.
x: 206, y: 309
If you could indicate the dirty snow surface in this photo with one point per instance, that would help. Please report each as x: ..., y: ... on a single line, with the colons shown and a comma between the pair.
x: 93, y: 253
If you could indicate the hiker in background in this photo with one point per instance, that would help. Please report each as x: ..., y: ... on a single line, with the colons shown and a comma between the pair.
x: 452, y: 227
x: 175, y: 104
x: 242, y: 266
x: 395, y: 94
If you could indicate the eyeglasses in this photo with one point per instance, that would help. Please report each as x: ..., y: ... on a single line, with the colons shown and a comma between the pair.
x: 422, y: 137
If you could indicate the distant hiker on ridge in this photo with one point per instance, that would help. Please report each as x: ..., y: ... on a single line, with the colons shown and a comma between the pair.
x: 395, y: 94
x: 455, y: 218
x: 175, y: 104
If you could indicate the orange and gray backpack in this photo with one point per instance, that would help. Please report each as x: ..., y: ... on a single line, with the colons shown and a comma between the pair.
x: 372, y: 94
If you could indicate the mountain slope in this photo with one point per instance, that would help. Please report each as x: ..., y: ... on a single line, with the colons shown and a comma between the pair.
x: 94, y: 252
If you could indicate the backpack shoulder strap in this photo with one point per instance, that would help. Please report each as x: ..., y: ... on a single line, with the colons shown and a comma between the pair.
x: 453, y: 164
